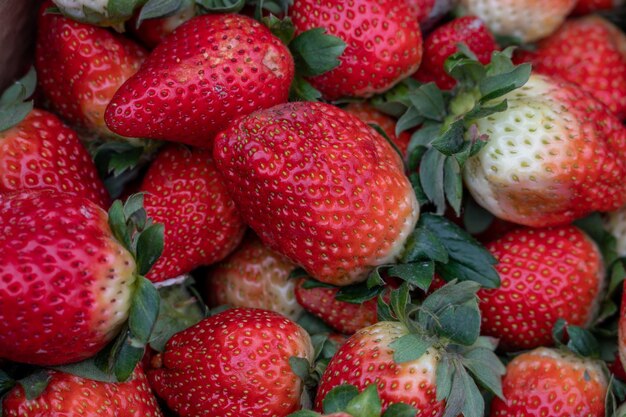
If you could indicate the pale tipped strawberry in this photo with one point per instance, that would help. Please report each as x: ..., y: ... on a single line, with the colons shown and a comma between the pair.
x: 37, y: 151
x: 527, y: 20
x: 72, y: 396
x: 254, y: 276
x: 444, y: 41
x: 81, y: 66
x: 319, y: 186
x: 370, y: 115
x: 184, y: 192
x: 589, y: 52
x: 235, y: 363
x: 71, y: 277
x: 546, y: 274
x: 212, y: 69
x: 425, y: 359
x: 383, y: 44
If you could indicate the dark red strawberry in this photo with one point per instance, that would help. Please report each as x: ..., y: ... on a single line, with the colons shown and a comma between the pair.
x: 235, y: 363
x: 185, y: 193
x: 212, y: 69
x: 319, y: 186
x: 443, y: 42
x: 384, y: 43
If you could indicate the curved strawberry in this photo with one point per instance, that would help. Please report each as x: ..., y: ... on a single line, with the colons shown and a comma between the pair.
x: 549, y: 382
x: 546, y: 274
x: 589, y: 52
x: 184, y: 192
x: 253, y: 276
x: 552, y: 157
x: 384, y: 43
x: 81, y: 66
x: 443, y: 42
x: 233, y: 364
x: 369, y: 114
x: 319, y: 186
x: 72, y: 396
x: 528, y: 20
x: 212, y: 69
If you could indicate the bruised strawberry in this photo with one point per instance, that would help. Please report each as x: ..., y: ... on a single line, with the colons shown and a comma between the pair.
x: 528, y: 20
x: 254, y: 276
x: 546, y: 274
x: 370, y: 115
x: 552, y: 157
x: 72, y: 396
x: 235, y: 363
x: 319, y: 186
x: 81, y: 66
x: 185, y: 193
x: 212, y: 69
x: 443, y: 42
x: 383, y: 43
x: 589, y: 52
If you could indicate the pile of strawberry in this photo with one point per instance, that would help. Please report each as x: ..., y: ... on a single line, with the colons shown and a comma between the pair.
x: 359, y: 208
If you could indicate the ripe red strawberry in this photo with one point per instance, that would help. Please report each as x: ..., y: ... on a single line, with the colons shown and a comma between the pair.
x: 384, y: 43
x: 152, y: 32
x: 320, y: 187
x: 71, y: 396
x: 590, y: 52
x: 369, y: 114
x: 546, y: 274
x: 185, y: 193
x: 212, y: 69
x: 443, y: 42
x: 549, y: 382
x: 590, y: 6
x: 421, y: 8
x: 81, y: 66
x: 66, y: 284
x: 553, y: 156
x: 41, y: 152
x: 253, y: 276
x: 235, y: 363
x: 528, y: 20
x: 345, y: 317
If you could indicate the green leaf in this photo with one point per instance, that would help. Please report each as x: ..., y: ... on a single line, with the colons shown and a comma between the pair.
x: 144, y: 310
x: 20, y: 90
x: 452, y: 140
x: 133, y: 204
x: 476, y: 219
x: 149, y: 247
x: 431, y: 178
x: 366, y: 404
x: 582, y: 342
x: 283, y: 28
x: 221, y: 6
x: 409, y: 119
x: 410, y: 347
x: 424, y: 245
x: 301, y: 367
x: 302, y: 90
x: 157, y: 8
x: 481, y: 111
x: 117, y: 223
x: 460, y: 324
x: 357, y: 293
x: 423, y: 137
x: 122, y: 10
x: 374, y: 279
x: 35, y: 384
x: 468, y: 72
x: 384, y: 310
x: 127, y: 358
x: 399, y: 301
x: 87, y: 369
x: 419, y: 274
x: 299, y: 273
x: 338, y: 398
x: 315, y: 52
x: 486, y: 367
x: 305, y: 413
x: 443, y: 378
x: 453, y: 184
x: 12, y: 115
x: 312, y: 324
x: 429, y: 102
x: 456, y: 399
x: 400, y: 410
x: 450, y: 296
x: 495, y: 86
x: 474, y: 405
x: 6, y: 383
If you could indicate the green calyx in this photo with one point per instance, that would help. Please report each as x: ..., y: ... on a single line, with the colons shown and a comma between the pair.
x: 448, y: 321
x: 15, y: 103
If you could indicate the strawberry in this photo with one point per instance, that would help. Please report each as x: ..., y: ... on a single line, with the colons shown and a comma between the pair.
x: 339, y: 208
x: 72, y: 396
x: 346, y: 317
x: 443, y: 42
x: 384, y: 43
x: 210, y: 70
x: 235, y: 363
x: 184, y: 192
x: 67, y: 285
x: 598, y: 68
x: 80, y: 67
x: 528, y: 20
x: 152, y: 32
x: 99, y: 12
x: 534, y: 266
x: 255, y: 277
x: 549, y: 382
x: 590, y: 6
x: 41, y: 152
x: 370, y: 115
x: 421, y: 8
x: 551, y: 157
